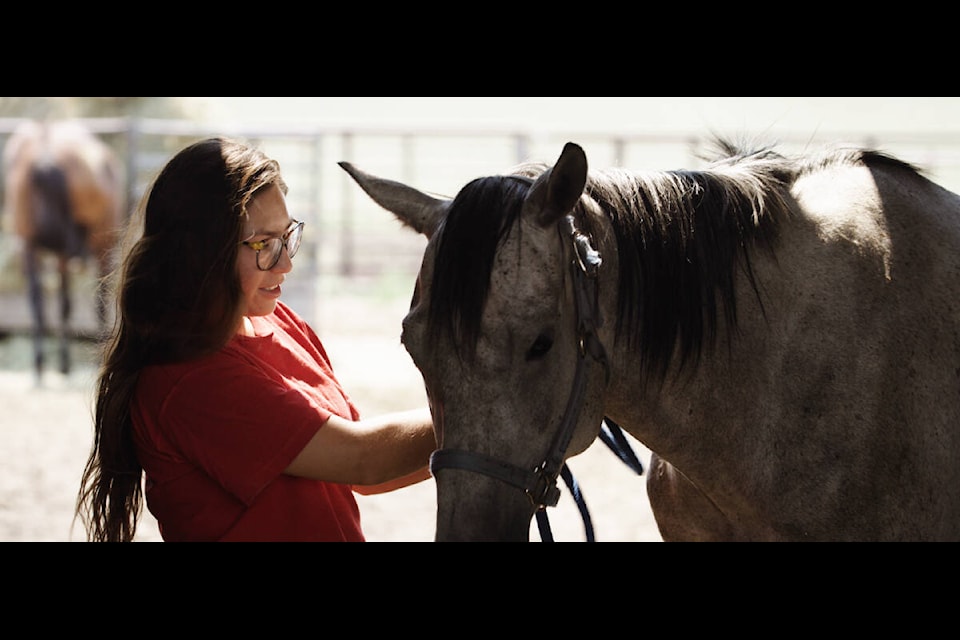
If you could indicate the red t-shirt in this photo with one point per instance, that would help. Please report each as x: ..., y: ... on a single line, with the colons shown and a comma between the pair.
x: 215, y: 434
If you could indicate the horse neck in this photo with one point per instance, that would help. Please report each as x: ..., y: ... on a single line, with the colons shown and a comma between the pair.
x: 672, y: 244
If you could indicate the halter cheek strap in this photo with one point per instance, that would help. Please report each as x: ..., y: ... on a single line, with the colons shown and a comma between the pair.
x: 586, y: 295
x: 540, y: 484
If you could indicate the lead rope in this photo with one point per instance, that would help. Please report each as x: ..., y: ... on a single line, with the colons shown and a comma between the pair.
x: 612, y: 436
x: 543, y: 522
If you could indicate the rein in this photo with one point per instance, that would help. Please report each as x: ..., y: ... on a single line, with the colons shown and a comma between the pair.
x: 540, y: 484
x: 612, y: 435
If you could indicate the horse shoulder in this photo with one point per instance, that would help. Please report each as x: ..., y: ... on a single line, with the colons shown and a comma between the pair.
x: 683, y: 512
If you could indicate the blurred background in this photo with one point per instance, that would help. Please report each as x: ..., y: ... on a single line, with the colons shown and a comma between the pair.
x: 438, y: 144
x: 354, y: 273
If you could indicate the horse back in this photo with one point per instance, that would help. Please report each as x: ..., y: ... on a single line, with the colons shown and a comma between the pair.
x: 833, y: 411
x: 871, y: 344
x: 91, y: 171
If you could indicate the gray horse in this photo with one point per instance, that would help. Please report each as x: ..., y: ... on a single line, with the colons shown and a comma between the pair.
x: 782, y: 333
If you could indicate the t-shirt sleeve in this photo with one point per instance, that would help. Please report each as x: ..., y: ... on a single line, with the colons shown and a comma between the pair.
x: 239, y: 425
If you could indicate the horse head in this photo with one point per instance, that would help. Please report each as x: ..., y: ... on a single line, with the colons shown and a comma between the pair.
x: 503, y: 326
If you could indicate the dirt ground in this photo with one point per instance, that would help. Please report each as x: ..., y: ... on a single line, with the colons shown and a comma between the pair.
x: 47, y: 431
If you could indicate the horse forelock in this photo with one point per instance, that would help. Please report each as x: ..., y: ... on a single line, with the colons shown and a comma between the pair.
x: 681, y: 236
x: 478, y: 220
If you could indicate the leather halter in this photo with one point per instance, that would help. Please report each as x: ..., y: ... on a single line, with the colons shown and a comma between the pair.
x: 540, y: 483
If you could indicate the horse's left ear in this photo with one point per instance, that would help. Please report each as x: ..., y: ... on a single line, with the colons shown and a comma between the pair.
x: 416, y: 209
x: 557, y: 191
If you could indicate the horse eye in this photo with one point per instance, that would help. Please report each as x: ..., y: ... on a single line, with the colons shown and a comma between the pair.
x: 540, y: 346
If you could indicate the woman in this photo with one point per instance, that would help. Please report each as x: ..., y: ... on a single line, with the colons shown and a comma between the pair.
x: 219, y: 393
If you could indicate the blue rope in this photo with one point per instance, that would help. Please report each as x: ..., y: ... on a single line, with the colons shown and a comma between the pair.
x: 612, y: 436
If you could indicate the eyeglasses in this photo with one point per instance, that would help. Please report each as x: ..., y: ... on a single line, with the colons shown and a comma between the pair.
x: 268, y: 250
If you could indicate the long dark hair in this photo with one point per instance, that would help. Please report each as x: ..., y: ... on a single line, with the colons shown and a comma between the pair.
x: 178, y: 298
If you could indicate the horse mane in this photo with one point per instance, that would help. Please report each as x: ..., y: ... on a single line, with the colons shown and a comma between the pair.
x: 681, y: 237
x: 479, y: 218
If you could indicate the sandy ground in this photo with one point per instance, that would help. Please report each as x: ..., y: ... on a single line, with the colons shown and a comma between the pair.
x: 47, y: 431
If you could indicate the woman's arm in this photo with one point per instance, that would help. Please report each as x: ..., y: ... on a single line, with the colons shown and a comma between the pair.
x: 392, y: 485
x: 376, y: 454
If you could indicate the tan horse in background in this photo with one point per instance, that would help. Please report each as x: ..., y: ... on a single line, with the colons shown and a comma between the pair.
x: 63, y: 195
x: 782, y: 333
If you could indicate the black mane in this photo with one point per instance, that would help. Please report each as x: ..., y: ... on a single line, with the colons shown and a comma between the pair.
x: 681, y: 236
x: 480, y: 217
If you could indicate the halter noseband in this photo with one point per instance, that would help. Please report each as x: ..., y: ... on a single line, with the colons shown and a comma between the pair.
x: 540, y: 484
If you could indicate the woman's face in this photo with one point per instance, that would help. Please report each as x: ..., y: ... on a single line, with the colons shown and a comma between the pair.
x: 267, y: 217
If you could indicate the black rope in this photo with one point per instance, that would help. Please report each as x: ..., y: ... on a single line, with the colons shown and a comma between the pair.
x: 543, y: 522
x: 612, y: 436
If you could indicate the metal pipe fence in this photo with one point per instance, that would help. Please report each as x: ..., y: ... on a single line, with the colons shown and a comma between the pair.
x: 350, y: 238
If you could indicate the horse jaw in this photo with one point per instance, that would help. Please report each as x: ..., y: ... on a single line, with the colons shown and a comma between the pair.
x: 416, y: 209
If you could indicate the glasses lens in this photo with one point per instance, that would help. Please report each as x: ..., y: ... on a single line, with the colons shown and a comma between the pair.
x: 270, y: 254
x: 293, y: 240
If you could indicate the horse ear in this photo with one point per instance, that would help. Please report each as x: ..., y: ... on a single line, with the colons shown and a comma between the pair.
x: 557, y: 191
x: 419, y: 211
